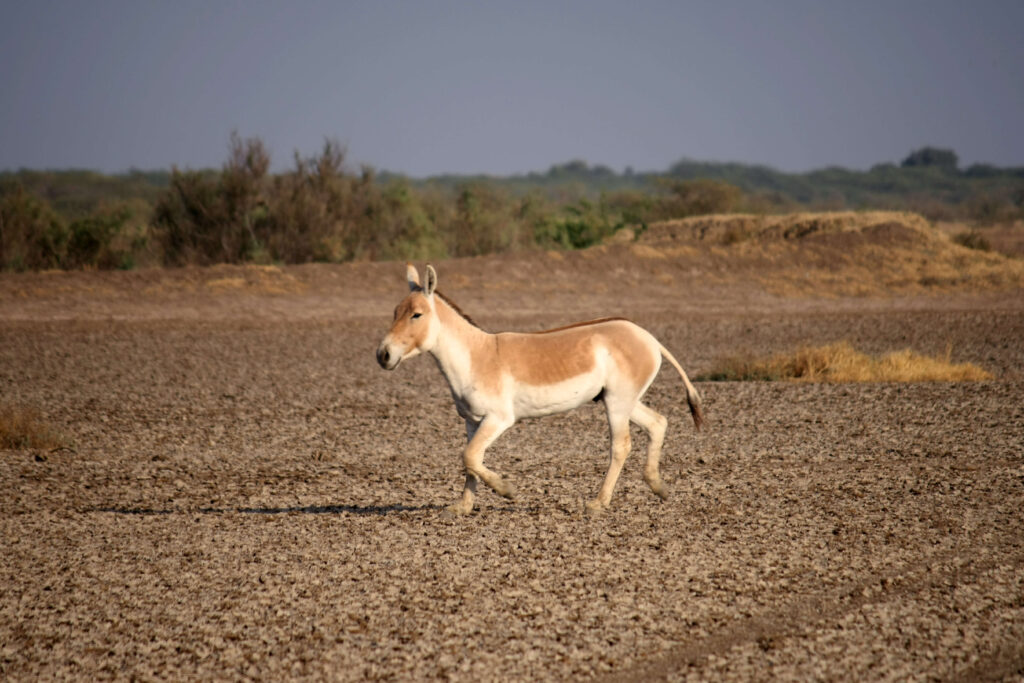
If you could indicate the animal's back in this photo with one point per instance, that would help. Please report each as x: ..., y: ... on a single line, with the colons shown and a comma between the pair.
x: 551, y: 356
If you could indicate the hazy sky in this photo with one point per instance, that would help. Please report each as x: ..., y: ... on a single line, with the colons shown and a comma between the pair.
x: 430, y: 87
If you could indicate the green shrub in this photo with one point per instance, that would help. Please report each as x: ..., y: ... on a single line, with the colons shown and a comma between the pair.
x: 698, y: 197
x: 674, y: 199
x: 485, y: 221
x: 988, y: 208
x: 35, y: 237
x: 210, y: 218
x: 304, y: 214
x: 92, y: 242
x: 32, y: 235
x: 578, y: 226
x: 320, y: 212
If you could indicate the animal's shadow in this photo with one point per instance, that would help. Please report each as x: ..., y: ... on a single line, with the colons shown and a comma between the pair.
x: 371, y: 510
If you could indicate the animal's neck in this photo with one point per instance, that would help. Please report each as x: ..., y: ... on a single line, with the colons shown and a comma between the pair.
x: 458, y: 344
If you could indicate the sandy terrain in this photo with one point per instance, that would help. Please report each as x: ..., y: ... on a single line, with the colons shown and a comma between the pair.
x: 245, y: 494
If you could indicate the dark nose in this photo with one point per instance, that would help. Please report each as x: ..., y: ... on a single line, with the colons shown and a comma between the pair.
x: 383, y: 356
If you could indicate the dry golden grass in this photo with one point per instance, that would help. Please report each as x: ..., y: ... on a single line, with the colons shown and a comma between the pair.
x: 22, y: 428
x: 840, y: 362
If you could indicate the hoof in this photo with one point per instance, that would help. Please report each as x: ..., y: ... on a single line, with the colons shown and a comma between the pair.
x: 505, y: 490
x: 594, y: 508
x: 457, y: 510
x: 659, y: 489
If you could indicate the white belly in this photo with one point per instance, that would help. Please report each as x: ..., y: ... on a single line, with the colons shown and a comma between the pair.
x: 537, y: 401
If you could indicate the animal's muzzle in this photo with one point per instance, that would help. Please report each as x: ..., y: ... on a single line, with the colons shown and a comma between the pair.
x: 383, y: 356
x: 386, y: 358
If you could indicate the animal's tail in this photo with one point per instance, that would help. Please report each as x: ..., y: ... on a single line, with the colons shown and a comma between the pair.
x: 692, y: 397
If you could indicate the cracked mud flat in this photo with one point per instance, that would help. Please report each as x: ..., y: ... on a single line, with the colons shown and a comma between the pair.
x: 247, y: 495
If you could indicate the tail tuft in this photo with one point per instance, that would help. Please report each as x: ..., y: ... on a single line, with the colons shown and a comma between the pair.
x: 696, y: 410
x: 692, y: 397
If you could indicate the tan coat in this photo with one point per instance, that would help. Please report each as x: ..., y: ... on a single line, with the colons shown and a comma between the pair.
x: 497, y: 379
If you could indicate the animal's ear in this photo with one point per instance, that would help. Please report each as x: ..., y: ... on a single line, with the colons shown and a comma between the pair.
x: 431, y: 281
x: 412, y: 276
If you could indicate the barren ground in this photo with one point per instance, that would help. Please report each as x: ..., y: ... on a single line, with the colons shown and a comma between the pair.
x: 245, y: 493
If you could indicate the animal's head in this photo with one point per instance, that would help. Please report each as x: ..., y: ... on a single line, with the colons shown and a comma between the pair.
x: 416, y: 323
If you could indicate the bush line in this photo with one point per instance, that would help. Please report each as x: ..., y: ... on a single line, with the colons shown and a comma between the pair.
x: 322, y: 211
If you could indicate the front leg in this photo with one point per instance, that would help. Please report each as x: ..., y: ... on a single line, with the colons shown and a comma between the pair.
x: 465, y: 504
x: 480, y: 436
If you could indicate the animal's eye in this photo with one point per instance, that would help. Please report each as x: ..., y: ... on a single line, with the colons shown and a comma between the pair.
x: 416, y: 315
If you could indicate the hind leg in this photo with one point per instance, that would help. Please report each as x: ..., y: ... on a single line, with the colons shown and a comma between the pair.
x: 618, y: 421
x: 654, y: 424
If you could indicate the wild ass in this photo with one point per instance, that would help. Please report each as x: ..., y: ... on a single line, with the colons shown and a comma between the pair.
x: 497, y: 379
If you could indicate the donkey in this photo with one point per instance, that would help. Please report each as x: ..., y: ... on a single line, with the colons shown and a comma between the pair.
x: 497, y: 379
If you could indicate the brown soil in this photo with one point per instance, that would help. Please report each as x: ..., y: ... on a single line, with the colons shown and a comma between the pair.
x: 245, y: 494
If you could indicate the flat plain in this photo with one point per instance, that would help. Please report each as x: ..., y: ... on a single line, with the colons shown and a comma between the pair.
x: 241, y: 492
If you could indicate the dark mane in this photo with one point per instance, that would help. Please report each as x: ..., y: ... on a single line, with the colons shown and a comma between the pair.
x: 582, y: 324
x: 455, y: 307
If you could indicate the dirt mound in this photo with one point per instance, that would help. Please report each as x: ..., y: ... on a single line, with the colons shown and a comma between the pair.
x: 734, y: 228
x: 827, y: 254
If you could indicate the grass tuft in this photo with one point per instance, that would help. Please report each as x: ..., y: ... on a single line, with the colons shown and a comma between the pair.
x: 840, y: 362
x: 23, y: 428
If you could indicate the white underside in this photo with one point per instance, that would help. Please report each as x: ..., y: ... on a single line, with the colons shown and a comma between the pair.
x: 534, y: 401
x: 517, y: 399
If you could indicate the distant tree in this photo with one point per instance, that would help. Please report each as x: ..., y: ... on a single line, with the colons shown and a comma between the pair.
x: 576, y: 167
x: 932, y: 156
x: 699, y: 197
